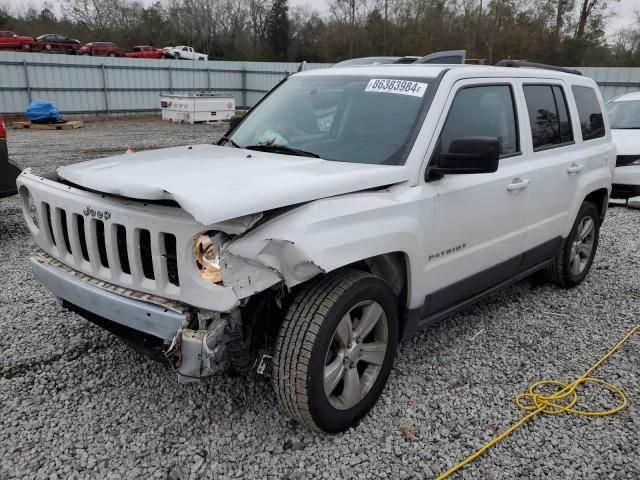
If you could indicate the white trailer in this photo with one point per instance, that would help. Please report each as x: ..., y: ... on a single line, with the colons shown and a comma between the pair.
x: 197, y: 108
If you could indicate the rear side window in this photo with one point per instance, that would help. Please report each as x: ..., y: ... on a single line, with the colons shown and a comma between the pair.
x: 482, y: 111
x: 591, y: 121
x: 548, y: 116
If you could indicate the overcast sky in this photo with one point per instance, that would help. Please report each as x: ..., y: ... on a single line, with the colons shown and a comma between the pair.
x: 624, y: 11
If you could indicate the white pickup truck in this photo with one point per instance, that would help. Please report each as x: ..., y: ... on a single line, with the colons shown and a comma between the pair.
x: 182, y: 52
x: 347, y: 209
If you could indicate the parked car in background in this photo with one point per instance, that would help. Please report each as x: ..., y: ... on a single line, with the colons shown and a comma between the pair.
x: 12, y: 41
x: 57, y: 43
x: 624, y: 115
x: 145, y: 51
x: 182, y: 52
x: 8, y: 171
x: 100, y: 49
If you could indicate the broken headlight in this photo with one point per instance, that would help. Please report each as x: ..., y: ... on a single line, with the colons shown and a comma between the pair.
x: 206, y: 251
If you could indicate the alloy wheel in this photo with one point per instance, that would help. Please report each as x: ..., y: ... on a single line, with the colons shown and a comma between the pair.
x: 582, y: 246
x: 356, y: 354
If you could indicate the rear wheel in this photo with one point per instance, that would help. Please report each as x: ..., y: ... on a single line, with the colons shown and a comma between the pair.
x: 335, y: 350
x: 572, y: 264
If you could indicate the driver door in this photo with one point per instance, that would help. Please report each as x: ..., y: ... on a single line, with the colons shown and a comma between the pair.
x: 479, y: 222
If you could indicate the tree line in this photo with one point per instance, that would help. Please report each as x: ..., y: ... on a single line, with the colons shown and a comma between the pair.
x: 562, y: 32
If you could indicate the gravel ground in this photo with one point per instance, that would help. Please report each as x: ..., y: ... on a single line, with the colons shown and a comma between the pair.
x: 76, y: 403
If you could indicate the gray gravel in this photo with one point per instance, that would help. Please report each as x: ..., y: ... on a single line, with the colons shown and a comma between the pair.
x: 76, y: 403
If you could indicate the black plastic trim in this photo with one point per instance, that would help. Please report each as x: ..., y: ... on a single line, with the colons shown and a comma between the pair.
x: 449, y: 300
x: 148, y: 345
x: 625, y: 192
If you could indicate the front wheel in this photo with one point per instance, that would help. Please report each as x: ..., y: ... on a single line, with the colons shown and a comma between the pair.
x: 572, y: 264
x: 335, y: 350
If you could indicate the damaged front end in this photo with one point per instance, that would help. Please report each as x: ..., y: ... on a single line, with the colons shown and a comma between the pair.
x: 202, y: 297
x: 214, y: 344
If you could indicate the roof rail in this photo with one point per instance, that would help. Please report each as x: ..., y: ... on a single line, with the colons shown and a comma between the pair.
x: 448, y: 57
x: 519, y: 63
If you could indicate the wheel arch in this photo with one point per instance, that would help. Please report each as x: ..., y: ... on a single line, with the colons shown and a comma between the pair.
x: 395, y: 270
x: 600, y: 198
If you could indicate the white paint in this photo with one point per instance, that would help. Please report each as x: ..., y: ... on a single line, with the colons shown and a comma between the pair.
x: 338, y: 215
x: 215, y: 183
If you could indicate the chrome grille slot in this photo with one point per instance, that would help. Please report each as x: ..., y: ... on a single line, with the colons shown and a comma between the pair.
x: 123, y: 250
x: 82, y: 237
x: 62, y: 215
x: 171, y: 255
x: 47, y: 209
x: 102, y: 246
x: 146, y: 256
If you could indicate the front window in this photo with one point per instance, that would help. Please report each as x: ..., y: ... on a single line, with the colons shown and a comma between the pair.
x: 354, y: 119
x: 624, y: 115
x: 486, y: 111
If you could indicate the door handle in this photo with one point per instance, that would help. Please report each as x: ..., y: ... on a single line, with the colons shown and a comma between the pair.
x: 575, y: 168
x: 518, y: 184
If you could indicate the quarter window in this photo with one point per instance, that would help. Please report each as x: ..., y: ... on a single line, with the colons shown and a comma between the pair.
x: 591, y: 121
x: 548, y: 116
x: 482, y: 111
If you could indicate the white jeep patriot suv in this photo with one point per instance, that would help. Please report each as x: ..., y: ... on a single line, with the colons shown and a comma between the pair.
x: 349, y: 208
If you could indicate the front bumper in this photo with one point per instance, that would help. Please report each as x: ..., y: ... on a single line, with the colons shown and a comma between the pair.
x: 626, y: 182
x: 143, y: 317
x: 159, y: 328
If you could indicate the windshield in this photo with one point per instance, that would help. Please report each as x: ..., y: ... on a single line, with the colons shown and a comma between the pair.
x: 342, y: 118
x: 624, y: 114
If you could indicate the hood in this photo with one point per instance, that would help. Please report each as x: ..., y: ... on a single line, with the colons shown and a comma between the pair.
x: 626, y: 141
x: 214, y: 183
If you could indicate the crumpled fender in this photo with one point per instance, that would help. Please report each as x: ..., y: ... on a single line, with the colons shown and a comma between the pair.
x: 251, y: 267
x: 319, y: 237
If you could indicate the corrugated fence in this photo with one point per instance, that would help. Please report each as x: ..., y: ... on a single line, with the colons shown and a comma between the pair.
x: 111, y: 85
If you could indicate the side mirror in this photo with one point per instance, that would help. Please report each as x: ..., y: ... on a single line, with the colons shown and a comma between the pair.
x: 234, y: 121
x: 468, y: 155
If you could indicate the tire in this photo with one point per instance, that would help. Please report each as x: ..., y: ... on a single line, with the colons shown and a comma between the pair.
x: 112, y: 54
x: 563, y: 271
x: 310, y: 345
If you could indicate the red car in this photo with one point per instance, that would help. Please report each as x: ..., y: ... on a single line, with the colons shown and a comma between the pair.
x: 8, y: 171
x: 145, y: 51
x: 12, y: 41
x: 100, y: 49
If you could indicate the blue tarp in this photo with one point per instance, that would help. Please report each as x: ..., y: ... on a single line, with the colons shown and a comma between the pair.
x: 42, y: 111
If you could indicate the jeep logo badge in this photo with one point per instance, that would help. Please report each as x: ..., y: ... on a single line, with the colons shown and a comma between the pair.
x: 90, y: 212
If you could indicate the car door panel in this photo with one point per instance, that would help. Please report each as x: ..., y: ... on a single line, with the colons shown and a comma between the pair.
x: 557, y: 169
x: 482, y: 219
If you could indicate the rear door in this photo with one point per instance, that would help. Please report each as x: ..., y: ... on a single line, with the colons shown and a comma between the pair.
x: 557, y: 145
x: 480, y: 222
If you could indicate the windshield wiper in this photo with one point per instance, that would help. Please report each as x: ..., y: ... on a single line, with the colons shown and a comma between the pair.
x: 270, y: 147
x: 228, y: 140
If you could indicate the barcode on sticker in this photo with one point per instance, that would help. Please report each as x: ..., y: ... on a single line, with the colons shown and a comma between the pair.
x: 401, y: 87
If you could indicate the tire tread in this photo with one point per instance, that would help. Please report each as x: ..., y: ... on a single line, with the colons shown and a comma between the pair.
x: 296, y: 339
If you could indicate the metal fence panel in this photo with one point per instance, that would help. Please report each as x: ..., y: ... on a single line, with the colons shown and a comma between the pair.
x: 614, y: 81
x: 99, y: 84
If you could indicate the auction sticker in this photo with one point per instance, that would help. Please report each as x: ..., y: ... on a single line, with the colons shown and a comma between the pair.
x: 401, y: 87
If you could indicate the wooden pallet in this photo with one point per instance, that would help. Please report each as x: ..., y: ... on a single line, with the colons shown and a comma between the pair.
x: 49, y: 126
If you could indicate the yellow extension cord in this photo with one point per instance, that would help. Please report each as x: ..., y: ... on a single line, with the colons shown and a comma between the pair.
x: 536, y: 403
